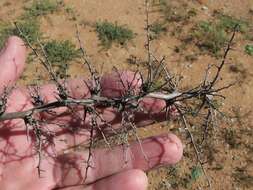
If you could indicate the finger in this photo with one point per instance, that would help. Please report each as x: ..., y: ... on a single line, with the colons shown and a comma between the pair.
x: 111, y: 86
x: 127, y: 180
x: 156, y: 151
x: 131, y: 179
x: 74, y: 121
x: 12, y: 61
x: 77, y: 88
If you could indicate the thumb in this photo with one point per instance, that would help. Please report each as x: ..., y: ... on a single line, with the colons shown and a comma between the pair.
x: 12, y: 61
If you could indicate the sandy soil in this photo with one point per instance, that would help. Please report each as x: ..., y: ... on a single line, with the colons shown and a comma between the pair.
x: 228, y: 167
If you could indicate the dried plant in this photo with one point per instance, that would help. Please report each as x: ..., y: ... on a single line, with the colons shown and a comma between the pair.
x: 158, y: 84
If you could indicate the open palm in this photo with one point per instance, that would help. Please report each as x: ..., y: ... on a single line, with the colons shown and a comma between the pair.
x: 62, y: 168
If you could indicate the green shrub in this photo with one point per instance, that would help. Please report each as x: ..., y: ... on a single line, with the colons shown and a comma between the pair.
x: 179, y: 13
x: 229, y: 23
x: 29, y: 28
x: 196, y: 172
x: 157, y: 28
x: 42, y: 7
x: 109, y: 33
x: 249, y: 49
x: 210, y: 37
x: 60, y: 51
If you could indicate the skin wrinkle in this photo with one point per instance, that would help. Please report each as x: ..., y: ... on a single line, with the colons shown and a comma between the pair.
x: 127, y: 180
x: 173, y: 142
x: 175, y: 153
x: 15, y: 68
x: 98, y: 160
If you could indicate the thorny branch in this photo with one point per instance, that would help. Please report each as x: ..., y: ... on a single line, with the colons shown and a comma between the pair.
x: 203, y: 90
x: 46, y: 63
x: 168, y: 91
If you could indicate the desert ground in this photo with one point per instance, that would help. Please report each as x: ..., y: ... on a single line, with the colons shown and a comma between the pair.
x: 190, y: 34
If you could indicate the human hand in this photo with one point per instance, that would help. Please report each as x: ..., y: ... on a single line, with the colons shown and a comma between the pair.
x: 64, y: 169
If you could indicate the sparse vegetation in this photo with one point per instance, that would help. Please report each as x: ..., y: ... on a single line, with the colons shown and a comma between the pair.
x: 179, y: 13
x: 60, y: 53
x: 28, y: 22
x: 157, y: 28
x: 5, y: 31
x: 209, y: 35
x: 249, y: 49
x: 196, y: 172
x: 42, y: 7
x: 242, y: 177
x: 109, y: 33
x: 172, y: 178
x: 30, y: 28
x: 229, y: 22
x: 177, y: 180
x: 212, y: 36
x: 231, y: 138
x: 70, y: 10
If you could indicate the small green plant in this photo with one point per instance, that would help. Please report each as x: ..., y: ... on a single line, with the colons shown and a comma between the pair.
x: 196, y: 172
x: 229, y: 23
x: 179, y: 13
x: 29, y: 28
x: 192, y: 12
x: 231, y: 138
x: 157, y: 28
x: 109, y: 33
x: 59, y: 53
x: 172, y: 176
x: 70, y: 10
x: 242, y: 177
x: 210, y: 36
x: 249, y: 49
x: 42, y: 7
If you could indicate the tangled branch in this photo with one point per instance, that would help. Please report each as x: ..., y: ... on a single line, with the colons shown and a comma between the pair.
x: 127, y: 103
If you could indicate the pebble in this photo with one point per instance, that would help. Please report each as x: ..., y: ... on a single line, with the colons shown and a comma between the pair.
x: 108, y: 54
x: 251, y: 10
x: 205, y: 8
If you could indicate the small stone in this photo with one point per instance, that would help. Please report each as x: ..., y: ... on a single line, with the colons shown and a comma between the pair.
x: 205, y: 8
x: 108, y: 54
x: 251, y: 10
